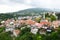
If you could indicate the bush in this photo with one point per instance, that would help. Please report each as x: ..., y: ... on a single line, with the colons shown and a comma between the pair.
x: 51, y: 17
x: 37, y: 19
x: 2, y: 29
x: 5, y: 36
x: 27, y: 35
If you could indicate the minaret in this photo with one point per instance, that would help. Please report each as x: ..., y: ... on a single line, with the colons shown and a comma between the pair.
x: 44, y: 15
x: 54, y: 14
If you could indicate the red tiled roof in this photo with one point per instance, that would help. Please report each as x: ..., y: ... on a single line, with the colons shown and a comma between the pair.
x: 30, y: 22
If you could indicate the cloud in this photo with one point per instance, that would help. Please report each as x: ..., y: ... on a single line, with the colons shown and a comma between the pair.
x: 41, y: 3
x: 15, y: 5
x: 8, y: 6
x: 46, y: 3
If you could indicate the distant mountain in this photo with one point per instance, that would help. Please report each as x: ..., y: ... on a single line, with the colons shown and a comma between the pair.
x: 34, y: 11
x: 26, y: 12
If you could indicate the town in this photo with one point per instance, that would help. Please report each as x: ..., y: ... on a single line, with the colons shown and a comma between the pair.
x: 42, y: 24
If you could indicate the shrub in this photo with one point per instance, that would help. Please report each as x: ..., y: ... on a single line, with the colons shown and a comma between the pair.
x: 5, y: 36
x: 2, y: 29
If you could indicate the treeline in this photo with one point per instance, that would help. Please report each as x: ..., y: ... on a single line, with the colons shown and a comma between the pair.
x: 13, y: 15
x: 58, y: 14
x: 5, y: 16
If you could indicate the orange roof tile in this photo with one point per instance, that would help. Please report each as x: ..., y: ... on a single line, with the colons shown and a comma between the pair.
x: 30, y: 22
x: 17, y: 31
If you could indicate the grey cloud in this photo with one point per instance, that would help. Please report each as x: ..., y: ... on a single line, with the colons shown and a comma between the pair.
x: 23, y: 2
x: 18, y: 1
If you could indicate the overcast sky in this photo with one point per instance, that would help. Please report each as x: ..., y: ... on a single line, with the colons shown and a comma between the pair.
x: 16, y: 5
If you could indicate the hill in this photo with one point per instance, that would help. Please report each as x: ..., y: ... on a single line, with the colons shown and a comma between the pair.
x: 26, y: 12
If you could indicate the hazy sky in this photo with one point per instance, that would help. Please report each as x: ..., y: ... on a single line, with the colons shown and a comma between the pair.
x: 15, y: 5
